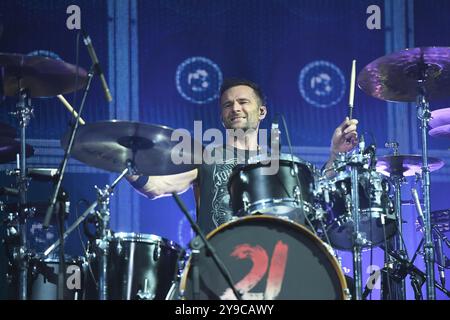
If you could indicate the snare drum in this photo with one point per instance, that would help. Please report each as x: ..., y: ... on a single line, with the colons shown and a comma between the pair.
x: 269, y: 259
x: 253, y: 189
x: 141, y: 266
x: 375, y: 205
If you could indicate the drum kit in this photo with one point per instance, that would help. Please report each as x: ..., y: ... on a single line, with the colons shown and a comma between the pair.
x: 282, y: 241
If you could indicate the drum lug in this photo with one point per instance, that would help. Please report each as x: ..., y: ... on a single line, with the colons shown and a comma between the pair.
x: 243, y: 177
x: 156, y: 253
x: 245, y: 201
x: 119, y: 247
x: 347, y: 294
x: 145, y: 294
x: 294, y: 170
x: 297, y: 195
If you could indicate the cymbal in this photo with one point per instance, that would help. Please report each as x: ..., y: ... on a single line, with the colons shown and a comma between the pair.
x: 440, y: 132
x: 9, y: 148
x: 395, y: 77
x: 7, y: 131
x: 41, y: 76
x: 440, y: 117
x: 406, y: 165
x: 108, y: 145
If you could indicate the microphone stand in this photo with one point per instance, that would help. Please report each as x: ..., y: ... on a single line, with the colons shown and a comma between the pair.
x: 21, y: 254
x: 418, y: 276
x: 196, y: 245
x: 51, y: 208
x: 424, y: 115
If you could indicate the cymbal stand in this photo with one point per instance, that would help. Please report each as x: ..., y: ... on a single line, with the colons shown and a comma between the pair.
x: 103, y: 230
x: 20, y: 254
x: 424, y: 115
x: 356, y: 161
x: 398, y: 179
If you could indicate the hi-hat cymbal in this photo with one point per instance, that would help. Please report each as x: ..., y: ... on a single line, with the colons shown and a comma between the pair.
x: 440, y: 117
x: 109, y: 145
x: 396, y: 77
x: 440, y: 132
x: 6, y: 131
x: 406, y: 164
x: 41, y: 76
x: 9, y: 148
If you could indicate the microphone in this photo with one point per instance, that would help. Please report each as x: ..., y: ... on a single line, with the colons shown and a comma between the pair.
x: 418, y: 207
x: 362, y: 144
x: 98, y: 70
x: 371, y: 150
x: 440, y: 260
x: 275, y: 129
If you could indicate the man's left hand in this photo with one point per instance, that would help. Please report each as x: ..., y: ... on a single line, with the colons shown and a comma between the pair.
x: 345, y: 137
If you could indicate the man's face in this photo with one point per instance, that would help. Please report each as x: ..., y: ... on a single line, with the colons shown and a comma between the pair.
x: 240, y: 108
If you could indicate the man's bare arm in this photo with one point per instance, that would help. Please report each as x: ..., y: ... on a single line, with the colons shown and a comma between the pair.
x: 344, y: 139
x: 158, y: 186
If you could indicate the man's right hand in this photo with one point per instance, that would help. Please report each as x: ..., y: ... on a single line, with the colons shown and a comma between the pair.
x: 159, y: 186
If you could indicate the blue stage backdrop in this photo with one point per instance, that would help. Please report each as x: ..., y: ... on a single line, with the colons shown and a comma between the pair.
x: 165, y: 61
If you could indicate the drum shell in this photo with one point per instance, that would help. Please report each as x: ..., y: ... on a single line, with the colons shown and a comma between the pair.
x: 374, y: 201
x: 140, y: 266
x: 253, y: 191
x: 43, y: 278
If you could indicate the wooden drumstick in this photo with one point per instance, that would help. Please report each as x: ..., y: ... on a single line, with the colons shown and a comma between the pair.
x: 71, y: 110
x: 351, y: 97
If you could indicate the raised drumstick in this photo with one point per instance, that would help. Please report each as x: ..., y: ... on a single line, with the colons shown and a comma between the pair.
x: 71, y: 110
x: 351, y: 97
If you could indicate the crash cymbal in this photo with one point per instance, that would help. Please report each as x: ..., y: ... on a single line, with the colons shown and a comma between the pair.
x: 9, y: 148
x: 7, y: 131
x: 109, y: 145
x: 41, y: 76
x: 440, y: 117
x: 440, y: 132
x: 406, y: 165
x: 395, y: 77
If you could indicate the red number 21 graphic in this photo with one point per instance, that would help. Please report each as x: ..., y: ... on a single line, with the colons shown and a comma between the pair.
x: 260, y: 261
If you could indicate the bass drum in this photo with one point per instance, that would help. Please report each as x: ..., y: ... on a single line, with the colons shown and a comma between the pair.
x: 269, y: 259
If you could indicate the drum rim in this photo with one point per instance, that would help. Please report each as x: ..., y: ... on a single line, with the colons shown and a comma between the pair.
x: 342, y: 175
x: 261, y: 204
x: 322, y: 245
x: 145, y: 238
x: 285, y: 157
x: 281, y: 156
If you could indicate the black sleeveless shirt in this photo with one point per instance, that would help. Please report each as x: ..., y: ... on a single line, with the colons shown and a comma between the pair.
x: 213, y: 199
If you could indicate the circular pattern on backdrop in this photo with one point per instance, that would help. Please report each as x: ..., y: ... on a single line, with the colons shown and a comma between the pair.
x: 198, y: 80
x: 321, y: 84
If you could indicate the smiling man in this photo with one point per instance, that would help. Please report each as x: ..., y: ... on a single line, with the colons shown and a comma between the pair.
x: 243, y: 108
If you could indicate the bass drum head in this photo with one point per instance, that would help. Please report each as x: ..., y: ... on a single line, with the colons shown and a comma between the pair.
x: 268, y: 259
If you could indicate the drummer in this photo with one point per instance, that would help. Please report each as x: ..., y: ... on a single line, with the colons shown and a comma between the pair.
x: 242, y: 107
